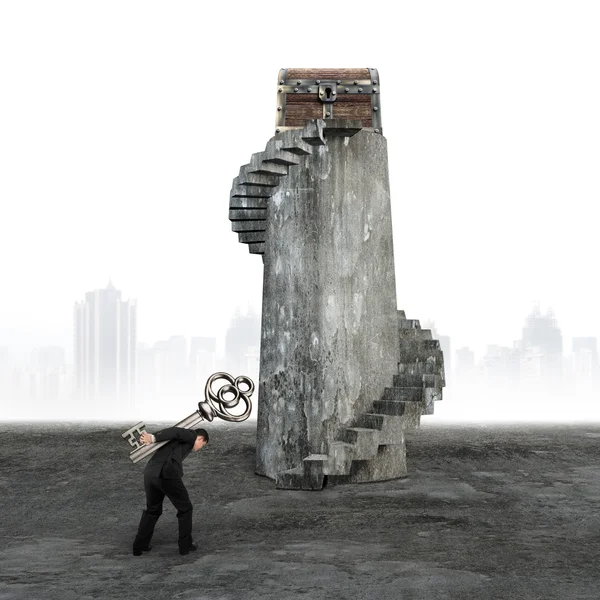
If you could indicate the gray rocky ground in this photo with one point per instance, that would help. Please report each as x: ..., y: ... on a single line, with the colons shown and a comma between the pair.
x: 507, y: 512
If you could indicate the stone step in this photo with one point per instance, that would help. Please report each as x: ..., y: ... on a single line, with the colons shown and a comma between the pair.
x: 314, y: 141
x: 390, y: 427
x: 251, y: 191
x: 274, y: 153
x: 432, y: 365
x: 339, y: 459
x: 389, y: 464
x: 314, y: 475
x: 247, y: 237
x: 248, y: 226
x: 420, y: 344
x: 281, y: 157
x: 382, y: 434
x: 409, y: 324
x: 313, y: 133
x: 258, y: 165
x: 392, y: 407
x: 292, y: 479
x: 247, y: 214
x: 406, y: 394
x: 432, y: 395
x: 249, y: 179
x: 308, y: 476
x: 258, y: 179
x: 410, y: 412
x: 414, y: 333
x: 412, y: 415
x: 291, y: 140
x: 295, y: 144
x: 417, y: 380
x: 420, y: 367
x: 365, y: 441
x: 249, y: 203
x: 320, y: 458
x: 341, y: 128
x: 299, y: 150
x: 421, y: 350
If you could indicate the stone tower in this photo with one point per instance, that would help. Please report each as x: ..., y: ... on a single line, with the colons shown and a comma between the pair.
x: 343, y: 373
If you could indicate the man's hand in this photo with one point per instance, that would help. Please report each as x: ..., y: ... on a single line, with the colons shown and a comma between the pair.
x: 146, y: 438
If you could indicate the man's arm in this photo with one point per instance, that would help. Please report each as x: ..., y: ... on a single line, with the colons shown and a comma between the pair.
x: 175, y: 433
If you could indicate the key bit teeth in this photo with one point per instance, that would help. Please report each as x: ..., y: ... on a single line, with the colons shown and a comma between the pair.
x: 139, y: 429
x: 132, y: 435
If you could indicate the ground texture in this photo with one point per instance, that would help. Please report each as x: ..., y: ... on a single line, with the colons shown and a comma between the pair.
x: 491, y: 512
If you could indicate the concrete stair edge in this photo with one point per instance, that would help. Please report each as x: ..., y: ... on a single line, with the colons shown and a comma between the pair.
x: 259, y: 179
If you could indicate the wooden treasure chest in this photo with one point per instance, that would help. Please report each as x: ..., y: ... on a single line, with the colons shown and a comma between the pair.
x: 348, y: 94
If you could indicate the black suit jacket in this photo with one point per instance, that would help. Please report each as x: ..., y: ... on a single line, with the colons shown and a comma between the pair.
x: 167, y: 461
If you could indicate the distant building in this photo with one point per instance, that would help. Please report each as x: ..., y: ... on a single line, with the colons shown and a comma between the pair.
x: 242, y: 335
x: 202, y: 344
x: 252, y: 360
x: 532, y: 366
x: 162, y: 368
x: 465, y: 364
x: 47, y: 375
x: 47, y: 358
x: 203, y: 359
x: 541, y: 350
x: 105, y: 349
x: 177, y: 361
x: 145, y: 373
x: 20, y: 386
x: 501, y: 365
x: 584, y: 361
x: 5, y: 372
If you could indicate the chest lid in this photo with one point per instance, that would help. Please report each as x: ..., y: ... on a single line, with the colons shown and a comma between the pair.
x: 348, y: 94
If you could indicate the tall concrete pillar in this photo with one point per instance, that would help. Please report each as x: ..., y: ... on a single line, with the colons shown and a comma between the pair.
x: 329, y: 341
x: 343, y: 373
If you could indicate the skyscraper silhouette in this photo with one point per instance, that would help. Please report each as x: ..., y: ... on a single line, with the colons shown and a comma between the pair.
x: 465, y: 364
x: 584, y: 361
x: 202, y: 364
x: 242, y: 335
x: 105, y: 350
x: 541, y: 350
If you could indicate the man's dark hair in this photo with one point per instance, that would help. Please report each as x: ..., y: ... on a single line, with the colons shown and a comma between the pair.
x: 203, y: 433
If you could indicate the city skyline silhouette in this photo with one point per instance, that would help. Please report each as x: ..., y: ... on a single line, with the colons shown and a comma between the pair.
x: 122, y: 128
x: 539, y: 364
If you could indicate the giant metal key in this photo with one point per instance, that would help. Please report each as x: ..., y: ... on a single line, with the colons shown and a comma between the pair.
x: 213, y: 405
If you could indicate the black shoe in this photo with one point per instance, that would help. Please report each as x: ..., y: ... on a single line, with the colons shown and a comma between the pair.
x: 193, y: 547
x: 138, y: 551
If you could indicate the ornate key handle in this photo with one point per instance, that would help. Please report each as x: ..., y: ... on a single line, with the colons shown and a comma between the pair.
x: 214, y: 405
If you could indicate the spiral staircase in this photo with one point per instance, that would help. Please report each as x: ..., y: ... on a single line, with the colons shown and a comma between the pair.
x: 372, y: 448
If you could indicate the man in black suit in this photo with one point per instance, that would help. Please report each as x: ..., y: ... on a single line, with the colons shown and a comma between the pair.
x: 162, y: 476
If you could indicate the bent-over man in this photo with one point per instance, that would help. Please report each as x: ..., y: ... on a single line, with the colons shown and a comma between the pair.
x: 162, y: 476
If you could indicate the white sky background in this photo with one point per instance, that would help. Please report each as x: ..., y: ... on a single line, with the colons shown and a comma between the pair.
x: 122, y: 125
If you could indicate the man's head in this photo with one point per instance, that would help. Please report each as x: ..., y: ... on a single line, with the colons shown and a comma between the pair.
x: 201, y: 439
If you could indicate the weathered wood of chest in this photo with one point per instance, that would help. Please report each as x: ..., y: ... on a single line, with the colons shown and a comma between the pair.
x: 349, y: 94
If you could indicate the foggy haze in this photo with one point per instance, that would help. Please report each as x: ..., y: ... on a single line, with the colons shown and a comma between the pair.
x: 539, y: 378
x: 123, y: 125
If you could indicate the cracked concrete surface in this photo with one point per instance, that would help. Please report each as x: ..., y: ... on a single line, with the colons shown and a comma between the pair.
x: 486, y: 512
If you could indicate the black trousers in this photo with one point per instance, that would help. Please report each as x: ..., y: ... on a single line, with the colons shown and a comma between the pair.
x: 156, y: 489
